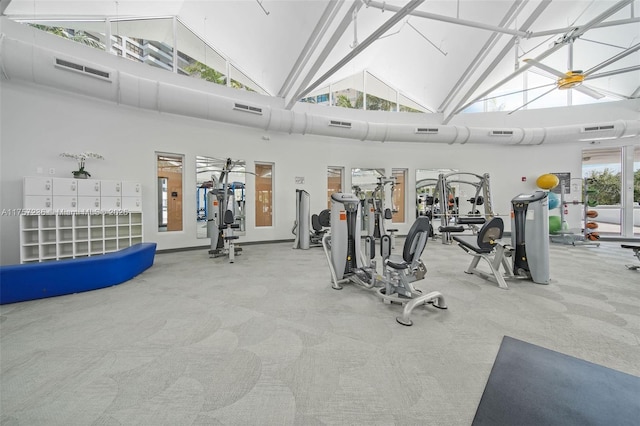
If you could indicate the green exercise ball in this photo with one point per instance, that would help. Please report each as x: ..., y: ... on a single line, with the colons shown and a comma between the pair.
x: 555, y: 224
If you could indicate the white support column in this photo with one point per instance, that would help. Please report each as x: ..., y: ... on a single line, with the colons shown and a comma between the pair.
x: 175, y: 44
x: 626, y: 225
x: 364, y: 90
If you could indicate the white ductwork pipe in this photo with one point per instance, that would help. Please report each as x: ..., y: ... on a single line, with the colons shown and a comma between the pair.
x: 26, y: 61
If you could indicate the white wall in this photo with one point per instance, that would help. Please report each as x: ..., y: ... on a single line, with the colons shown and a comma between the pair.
x: 39, y: 123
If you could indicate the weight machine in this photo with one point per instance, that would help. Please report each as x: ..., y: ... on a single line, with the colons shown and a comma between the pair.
x: 451, y: 220
x: 221, y: 219
x: 529, y: 248
x: 348, y: 264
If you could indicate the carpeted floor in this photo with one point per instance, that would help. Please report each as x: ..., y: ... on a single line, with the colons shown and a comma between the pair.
x: 266, y: 341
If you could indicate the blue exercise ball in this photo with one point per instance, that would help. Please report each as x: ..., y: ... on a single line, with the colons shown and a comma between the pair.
x: 554, y: 200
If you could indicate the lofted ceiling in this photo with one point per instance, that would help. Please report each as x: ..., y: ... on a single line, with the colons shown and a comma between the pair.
x: 444, y: 55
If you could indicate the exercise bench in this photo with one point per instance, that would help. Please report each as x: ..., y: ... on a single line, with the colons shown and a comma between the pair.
x: 485, y: 246
x: 636, y: 252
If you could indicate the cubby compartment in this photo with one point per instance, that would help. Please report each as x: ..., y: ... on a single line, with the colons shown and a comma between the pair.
x: 123, y: 219
x: 65, y: 235
x: 47, y: 221
x: 123, y: 243
x: 65, y: 250
x: 81, y: 220
x: 123, y: 230
x: 30, y: 222
x: 136, y: 218
x: 81, y: 234
x: 96, y: 233
x: 95, y: 220
x: 110, y: 245
x: 48, y: 236
x: 65, y: 221
x: 136, y: 240
x: 30, y: 237
x: 48, y: 251
x: 96, y: 247
x: 81, y: 248
x: 110, y: 219
x: 30, y: 253
x: 110, y: 232
x: 136, y: 230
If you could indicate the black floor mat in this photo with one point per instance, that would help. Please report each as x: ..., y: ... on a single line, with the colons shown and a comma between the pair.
x: 531, y: 385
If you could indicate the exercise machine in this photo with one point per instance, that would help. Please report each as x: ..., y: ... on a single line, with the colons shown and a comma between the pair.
x: 301, y: 227
x: 221, y: 219
x: 450, y: 204
x: 636, y: 253
x: 529, y: 247
x: 530, y: 236
x: 308, y: 231
x: 347, y: 263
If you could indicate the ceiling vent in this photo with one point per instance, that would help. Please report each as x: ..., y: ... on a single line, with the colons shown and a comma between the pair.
x: 247, y: 108
x: 427, y: 131
x: 337, y: 123
x: 72, y: 66
x: 598, y: 128
x: 501, y: 133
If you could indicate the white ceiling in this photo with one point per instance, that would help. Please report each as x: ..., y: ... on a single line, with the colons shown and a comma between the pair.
x: 424, y: 58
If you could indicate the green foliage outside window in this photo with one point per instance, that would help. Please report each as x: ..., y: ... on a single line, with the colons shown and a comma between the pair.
x: 606, y: 187
x: 200, y: 70
x: 77, y: 36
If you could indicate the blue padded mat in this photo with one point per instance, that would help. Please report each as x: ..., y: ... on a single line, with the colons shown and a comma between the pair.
x: 29, y: 281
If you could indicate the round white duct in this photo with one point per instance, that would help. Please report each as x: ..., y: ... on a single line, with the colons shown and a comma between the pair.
x: 22, y: 60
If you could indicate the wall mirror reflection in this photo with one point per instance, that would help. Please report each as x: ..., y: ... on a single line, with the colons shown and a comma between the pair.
x: 210, y: 175
x: 375, y: 191
x: 169, y: 175
x: 427, y: 199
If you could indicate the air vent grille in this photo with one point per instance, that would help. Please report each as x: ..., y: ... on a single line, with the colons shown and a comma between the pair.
x: 337, y: 123
x: 501, y: 133
x: 598, y: 128
x: 247, y: 108
x: 103, y: 75
x: 427, y: 130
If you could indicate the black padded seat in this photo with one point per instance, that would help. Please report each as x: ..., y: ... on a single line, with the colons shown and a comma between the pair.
x: 472, y: 220
x: 470, y: 241
x: 397, y: 265
x: 231, y: 237
x: 409, y: 250
x: 487, y: 237
x: 228, y: 217
x: 451, y: 228
x: 628, y: 246
x: 315, y: 223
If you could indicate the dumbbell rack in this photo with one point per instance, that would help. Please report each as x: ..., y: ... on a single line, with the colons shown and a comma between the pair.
x: 564, y: 236
x: 585, y: 198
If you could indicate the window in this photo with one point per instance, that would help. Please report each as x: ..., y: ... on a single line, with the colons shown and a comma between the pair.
x: 602, y: 169
x: 169, y: 168
x: 398, y: 196
x: 334, y: 182
x: 264, y: 194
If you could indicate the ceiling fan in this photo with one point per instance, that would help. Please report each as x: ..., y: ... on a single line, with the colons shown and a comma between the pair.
x: 572, y: 79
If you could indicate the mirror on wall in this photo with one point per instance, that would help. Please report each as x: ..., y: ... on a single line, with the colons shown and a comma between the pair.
x: 365, y: 180
x: 209, y: 172
x: 169, y: 175
x: 426, y: 182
